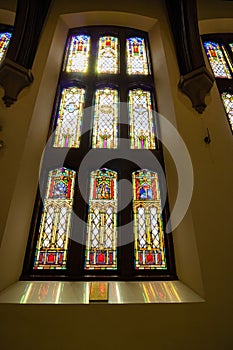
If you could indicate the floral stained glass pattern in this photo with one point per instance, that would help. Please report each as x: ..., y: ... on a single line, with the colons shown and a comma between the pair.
x: 217, y: 60
x: 69, y: 121
x: 107, y: 61
x: 137, y: 62
x: 105, y: 119
x: 4, y: 42
x: 142, y: 134
x: 148, y: 225
x: 52, y: 244
x: 227, y: 99
x: 101, y: 237
x: 78, y: 54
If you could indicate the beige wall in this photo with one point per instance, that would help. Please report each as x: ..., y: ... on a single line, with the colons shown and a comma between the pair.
x: 202, y: 241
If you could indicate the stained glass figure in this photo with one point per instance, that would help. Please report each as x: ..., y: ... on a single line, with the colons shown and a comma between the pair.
x: 148, y: 224
x: 137, y: 61
x: 228, y: 104
x: 69, y: 120
x: 78, y: 54
x: 107, y: 61
x: 105, y: 119
x: 217, y: 60
x: 4, y: 42
x: 52, y: 243
x: 142, y: 134
x: 101, y: 237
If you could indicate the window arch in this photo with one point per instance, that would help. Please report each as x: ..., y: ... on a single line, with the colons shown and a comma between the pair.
x: 85, y: 82
x: 219, y: 50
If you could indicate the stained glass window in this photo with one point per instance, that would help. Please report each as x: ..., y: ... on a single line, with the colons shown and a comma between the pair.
x: 231, y: 46
x: 78, y: 54
x: 69, y: 120
x: 148, y: 224
x: 101, y: 237
x: 142, y: 133
x: 105, y: 119
x: 4, y: 42
x: 52, y: 244
x: 137, y: 62
x: 228, y: 104
x: 107, y: 61
x: 217, y: 60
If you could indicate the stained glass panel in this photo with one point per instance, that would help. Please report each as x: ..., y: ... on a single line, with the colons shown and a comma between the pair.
x: 52, y: 243
x: 4, y: 42
x: 228, y: 104
x: 217, y: 60
x: 101, y: 237
x: 142, y: 134
x: 231, y: 46
x: 107, y: 61
x: 105, y: 119
x: 78, y: 54
x: 137, y: 61
x: 148, y: 224
x: 69, y: 121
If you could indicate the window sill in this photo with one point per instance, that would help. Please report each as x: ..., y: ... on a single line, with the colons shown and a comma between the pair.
x: 52, y: 292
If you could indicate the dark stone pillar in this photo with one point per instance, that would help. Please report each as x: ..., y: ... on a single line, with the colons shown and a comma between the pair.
x: 195, y: 80
x: 15, y: 70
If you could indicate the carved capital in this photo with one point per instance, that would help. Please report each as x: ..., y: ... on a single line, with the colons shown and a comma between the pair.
x: 196, y: 85
x: 13, y: 78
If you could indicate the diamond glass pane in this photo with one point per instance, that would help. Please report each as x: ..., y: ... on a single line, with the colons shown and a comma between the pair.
x: 52, y: 243
x: 142, y: 134
x: 78, y: 54
x: 4, y: 42
x: 69, y: 120
x: 217, y: 60
x: 101, y: 236
x: 107, y: 61
x: 105, y: 119
x: 137, y: 61
x: 228, y: 104
x: 148, y: 224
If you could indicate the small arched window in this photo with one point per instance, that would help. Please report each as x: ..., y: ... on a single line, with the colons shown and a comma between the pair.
x: 85, y: 224
x: 219, y: 50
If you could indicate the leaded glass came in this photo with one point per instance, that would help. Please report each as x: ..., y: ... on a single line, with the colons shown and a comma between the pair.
x: 69, y: 120
x: 142, y: 130
x: 105, y: 119
x: 4, y: 42
x: 52, y: 244
x: 137, y: 62
x: 78, y: 54
x: 227, y: 99
x: 101, y: 237
x: 148, y: 224
x: 217, y: 60
x: 107, y: 61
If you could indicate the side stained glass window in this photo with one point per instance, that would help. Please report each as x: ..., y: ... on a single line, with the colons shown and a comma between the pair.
x: 52, y: 244
x: 107, y: 61
x: 78, y: 54
x: 4, y: 42
x: 227, y: 99
x: 142, y: 130
x: 217, y: 60
x: 105, y: 119
x: 137, y: 61
x: 231, y: 46
x: 101, y: 236
x: 148, y: 224
x: 69, y: 121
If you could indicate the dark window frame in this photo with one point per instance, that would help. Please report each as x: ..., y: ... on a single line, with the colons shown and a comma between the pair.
x: 91, y: 81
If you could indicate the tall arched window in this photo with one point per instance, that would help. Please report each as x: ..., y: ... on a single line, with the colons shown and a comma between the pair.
x: 219, y: 50
x: 104, y: 107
